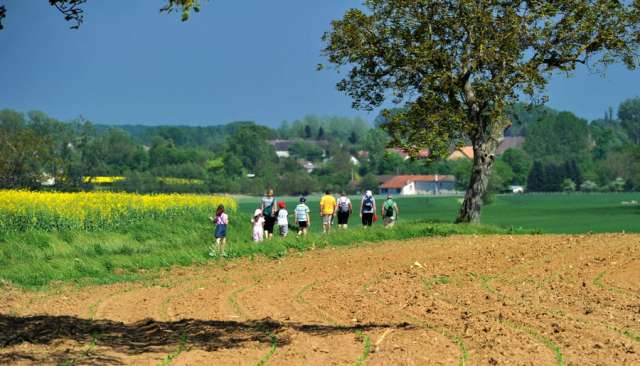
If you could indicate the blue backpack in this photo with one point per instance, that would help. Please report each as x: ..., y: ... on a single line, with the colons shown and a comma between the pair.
x: 367, y: 204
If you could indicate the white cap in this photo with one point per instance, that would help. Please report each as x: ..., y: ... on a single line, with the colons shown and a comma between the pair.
x: 257, y: 212
x: 368, y: 193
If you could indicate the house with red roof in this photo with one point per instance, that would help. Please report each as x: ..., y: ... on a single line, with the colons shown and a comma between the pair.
x: 408, y: 185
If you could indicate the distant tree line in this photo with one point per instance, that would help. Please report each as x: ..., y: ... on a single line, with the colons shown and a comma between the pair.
x: 561, y: 153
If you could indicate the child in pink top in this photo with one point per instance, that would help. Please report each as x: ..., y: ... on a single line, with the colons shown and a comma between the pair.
x: 258, y: 226
x: 221, y: 221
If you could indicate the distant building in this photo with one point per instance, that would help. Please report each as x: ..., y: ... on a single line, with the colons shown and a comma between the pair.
x: 282, y: 147
x: 516, y: 189
x: 465, y: 152
x: 506, y: 143
x: 422, y: 154
x: 408, y: 185
x: 307, y: 165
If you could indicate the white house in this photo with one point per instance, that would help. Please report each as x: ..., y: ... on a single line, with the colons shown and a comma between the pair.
x: 408, y: 185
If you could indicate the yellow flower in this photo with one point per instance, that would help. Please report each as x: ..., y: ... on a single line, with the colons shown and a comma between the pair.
x: 22, y: 210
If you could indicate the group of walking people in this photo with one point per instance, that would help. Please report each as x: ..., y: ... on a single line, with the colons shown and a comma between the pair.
x: 273, y: 213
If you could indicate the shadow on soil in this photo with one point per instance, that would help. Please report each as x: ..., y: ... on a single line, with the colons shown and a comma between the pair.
x: 147, y: 336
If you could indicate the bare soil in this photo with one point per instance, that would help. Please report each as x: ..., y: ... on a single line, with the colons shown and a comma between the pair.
x: 486, y: 300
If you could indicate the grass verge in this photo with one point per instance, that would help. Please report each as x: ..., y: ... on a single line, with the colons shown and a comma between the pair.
x: 35, y: 259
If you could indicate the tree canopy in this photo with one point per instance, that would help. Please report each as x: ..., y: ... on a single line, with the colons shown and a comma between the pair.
x: 458, y: 65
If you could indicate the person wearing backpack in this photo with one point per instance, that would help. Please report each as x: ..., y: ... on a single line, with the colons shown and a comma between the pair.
x: 367, y: 209
x: 268, y: 207
x: 389, y: 212
x: 345, y: 209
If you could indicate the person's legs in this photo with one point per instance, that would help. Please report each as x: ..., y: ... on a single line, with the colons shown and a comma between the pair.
x: 269, y: 222
x: 326, y: 223
x: 223, y: 245
x: 367, y: 219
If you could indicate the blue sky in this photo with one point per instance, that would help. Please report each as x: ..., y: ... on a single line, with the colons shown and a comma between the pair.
x: 236, y: 60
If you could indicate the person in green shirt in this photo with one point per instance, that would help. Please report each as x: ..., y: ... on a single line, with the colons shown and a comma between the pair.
x: 389, y: 212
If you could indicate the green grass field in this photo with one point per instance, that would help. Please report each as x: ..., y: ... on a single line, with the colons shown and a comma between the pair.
x: 548, y: 213
x: 36, y: 258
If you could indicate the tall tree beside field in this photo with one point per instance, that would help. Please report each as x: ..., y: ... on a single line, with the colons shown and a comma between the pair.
x: 458, y: 65
x: 629, y: 115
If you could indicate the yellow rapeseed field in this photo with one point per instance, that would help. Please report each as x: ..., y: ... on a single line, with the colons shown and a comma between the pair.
x: 23, y: 210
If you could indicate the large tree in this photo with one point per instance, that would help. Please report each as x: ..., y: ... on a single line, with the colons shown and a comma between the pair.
x: 457, y: 65
x: 73, y: 12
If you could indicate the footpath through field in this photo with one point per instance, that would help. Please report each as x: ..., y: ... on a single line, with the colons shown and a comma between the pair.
x: 485, y: 300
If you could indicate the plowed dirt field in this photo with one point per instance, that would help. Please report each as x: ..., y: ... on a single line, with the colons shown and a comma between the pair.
x: 487, y: 300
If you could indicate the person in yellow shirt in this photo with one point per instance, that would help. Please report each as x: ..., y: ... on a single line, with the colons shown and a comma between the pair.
x: 327, y: 210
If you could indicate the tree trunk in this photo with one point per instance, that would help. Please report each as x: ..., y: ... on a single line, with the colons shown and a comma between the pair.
x: 483, y: 158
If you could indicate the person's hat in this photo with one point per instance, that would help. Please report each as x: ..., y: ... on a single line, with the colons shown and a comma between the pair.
x: 302, y: 199
x: 368, y: 193
x: 281, y: 204
x: 257, y: 212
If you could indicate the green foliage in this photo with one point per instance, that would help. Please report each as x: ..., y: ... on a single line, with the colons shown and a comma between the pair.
x: 457, y: 66
x: 608, y: 136
x: 368, y: 182
x: 332, y: 127
x: 306, y: 150
x: 72, y: 10
x: 25, y: 150
x: 629, y: 115
x: 520, y: 164
x: 568, y: 185
x: 297, y: 183
x: 549, y: 177
x: 522, y: 116
x: 249, y: 144
x: 588, y: 186
x: 558, y: 138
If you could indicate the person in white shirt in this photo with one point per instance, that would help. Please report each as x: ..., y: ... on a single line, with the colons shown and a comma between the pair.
x: 283, y: 218
x: 303, y: 217
x: 344, y: 209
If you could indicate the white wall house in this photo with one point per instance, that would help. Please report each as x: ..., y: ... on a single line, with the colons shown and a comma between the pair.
x: 410, y: 185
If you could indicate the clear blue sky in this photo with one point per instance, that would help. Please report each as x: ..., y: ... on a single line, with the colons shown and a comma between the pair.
x: 236, y: 60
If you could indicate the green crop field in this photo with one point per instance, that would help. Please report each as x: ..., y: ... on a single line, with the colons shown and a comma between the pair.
x: 549, y: 213
x: 37, y: 257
